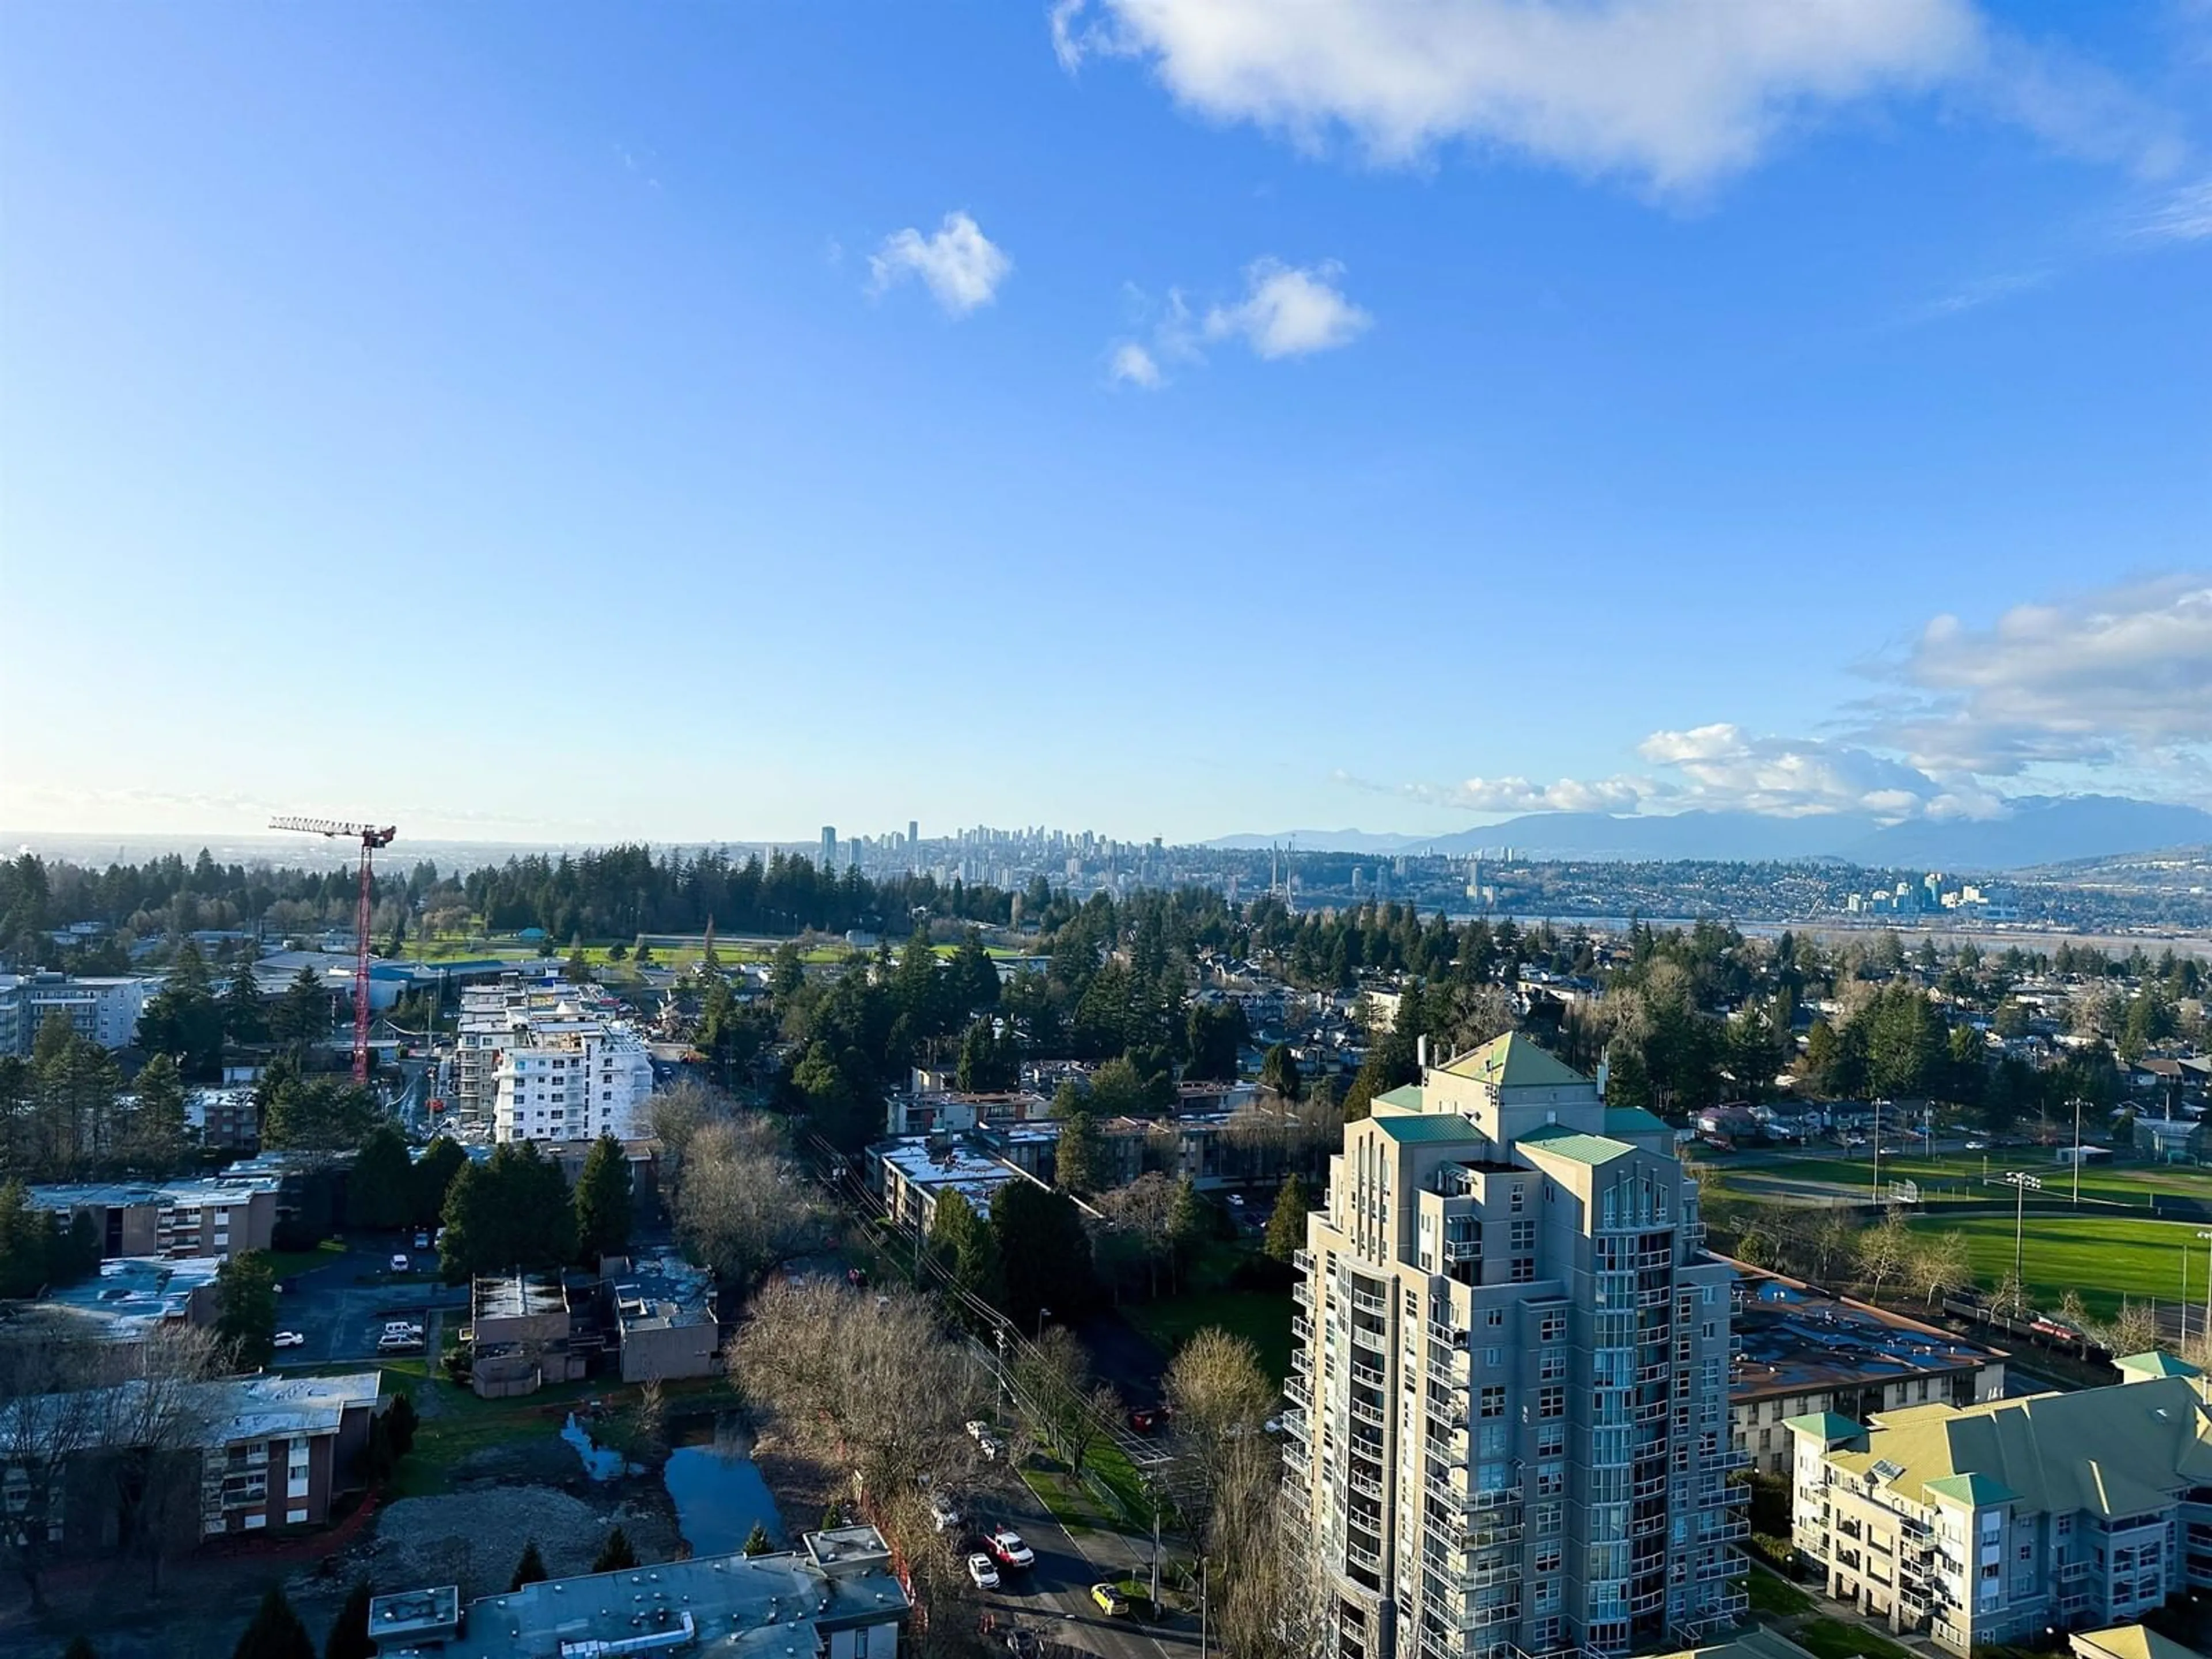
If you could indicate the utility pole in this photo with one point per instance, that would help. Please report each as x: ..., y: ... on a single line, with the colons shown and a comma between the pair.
x: 1877, y: 1151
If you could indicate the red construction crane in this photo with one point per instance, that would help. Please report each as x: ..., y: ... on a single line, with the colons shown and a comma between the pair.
x: 371, y: 837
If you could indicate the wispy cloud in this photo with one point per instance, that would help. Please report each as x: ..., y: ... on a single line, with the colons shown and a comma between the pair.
x: 1133, y: 363
x: 1972, y: 296
x: 2183, y: 216
x: 962, y: 268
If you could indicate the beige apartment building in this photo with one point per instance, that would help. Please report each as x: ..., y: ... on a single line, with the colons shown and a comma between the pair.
x: 1509, y: 1430
x: 1994, y: 1523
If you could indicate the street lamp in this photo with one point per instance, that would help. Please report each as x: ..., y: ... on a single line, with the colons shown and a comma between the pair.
x: 2020, y: 1184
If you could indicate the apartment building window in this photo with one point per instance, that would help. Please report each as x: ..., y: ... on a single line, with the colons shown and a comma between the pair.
x: 1493, y: 1400
x: 1551, y: 1479
x: 1493, y: 1317
x: 1517, y: 1196
x: 1547, y: 1595
x: 1524, y: 1235
x: 1552, y: 1440
x: 1547, y: 1519
x: 1552, y: 1328
x: 1551, y: 1402
x: 1493, y: 1357
x: 1524, y: 1270
x: 1552, y: 1366
x: 1491, y: 1443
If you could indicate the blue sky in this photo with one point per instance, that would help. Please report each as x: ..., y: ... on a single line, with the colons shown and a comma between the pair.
x: 1162, y: 417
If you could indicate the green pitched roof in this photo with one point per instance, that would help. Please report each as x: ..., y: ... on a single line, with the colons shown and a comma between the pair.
x: 1514, y: 1062
x: 1432, y: 1125
x: 1407, y: 1095
x: 2130, y: 1642
x: 2114, y: 1450
x: 2156, y: 1364
x: 1634, y: 1120
x: 1975, y: 1490
x: 1827, y: 1425
x: 1564, y: 1142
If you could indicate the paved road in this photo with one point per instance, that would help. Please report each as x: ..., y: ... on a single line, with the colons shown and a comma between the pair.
x: 1053, y: 1598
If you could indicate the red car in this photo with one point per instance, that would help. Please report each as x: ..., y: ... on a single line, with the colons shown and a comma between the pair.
x: 1147, y: 1418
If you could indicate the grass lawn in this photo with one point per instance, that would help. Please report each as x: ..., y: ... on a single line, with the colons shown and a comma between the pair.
x: 286, y: 1263
x: 1107, y: 1464
x: 1975, y: 1176
x: 1831, y: 1638
x: 2106, y: 1259
x: 1074, y: 1517
x: 1265, y: 1319
x: 1771, y: 1593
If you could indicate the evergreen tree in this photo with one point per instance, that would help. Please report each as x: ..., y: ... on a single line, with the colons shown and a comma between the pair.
x: 348, y: 1637
x: 603, y: 1202
x: 530, y: 1569
x: 757, y: 1542
x: 275, y: 1631
x: 80, y: 1646
x: 379, y: 1193
x: 429, y: 1178
x: 1079, y: 1161
x: 245, y: 1307
x: 153, y: 1141
x: 243, y: 1021
x: 616, y: 1555
x: 1286, y: 1227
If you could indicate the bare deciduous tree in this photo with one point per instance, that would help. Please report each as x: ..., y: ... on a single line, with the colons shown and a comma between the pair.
x: 1885, y: 1253
x: 1073, y: 1410
x: 1942, y: 1264
x: 744, y: 1206
x: 1220, y: 1400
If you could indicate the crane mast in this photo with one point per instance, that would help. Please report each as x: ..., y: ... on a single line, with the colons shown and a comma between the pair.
x: 371, y: 837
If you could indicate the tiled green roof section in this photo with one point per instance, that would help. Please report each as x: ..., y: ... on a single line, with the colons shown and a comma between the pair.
x: 1407, y: 1095
x: 2156, y: 1364
x: 1430, y: 1125
x: 1571, y: 1143
x: 1978, y: 1490
x: 1514, y: 1062
x: 1828, y: 1425
x: 1634, y: 1120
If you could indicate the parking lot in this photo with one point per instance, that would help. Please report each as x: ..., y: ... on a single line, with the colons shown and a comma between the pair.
x: 340, y: 1307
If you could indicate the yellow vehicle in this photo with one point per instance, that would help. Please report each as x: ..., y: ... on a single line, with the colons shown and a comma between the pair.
x: 1111, y: 1602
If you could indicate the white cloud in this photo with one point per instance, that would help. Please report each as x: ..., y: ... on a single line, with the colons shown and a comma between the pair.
x: 2117, y: 681
x: 1677, y: 91
x: 1514, y: 794
x: 2121, y: 675
x: 961, y: 267
x: 1679, y: 94
x: 1133, y: 363
x: 1289, y: 312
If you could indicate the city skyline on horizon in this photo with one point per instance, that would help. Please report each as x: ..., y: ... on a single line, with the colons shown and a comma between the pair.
x: 1109, y: 416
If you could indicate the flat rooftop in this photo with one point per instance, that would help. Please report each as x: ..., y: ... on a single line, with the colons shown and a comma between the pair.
x: 132, y: 1296
x: 515, y: 1296
x: 663, y: 1292
x: 169, y: 1195
x: 950, y: 1166
x: 764, y: 1606
x: 1797, y: 1339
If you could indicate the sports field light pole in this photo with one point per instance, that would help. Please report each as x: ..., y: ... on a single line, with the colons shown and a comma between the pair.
x: 2078, y: 1151
x: 1877, y: 1151
x: 2204, y: 1336
x: 2020, y: 1183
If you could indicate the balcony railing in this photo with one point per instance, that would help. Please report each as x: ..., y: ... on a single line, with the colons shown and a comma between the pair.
x: 1297, y: 1390
x: 1368, y: 1376
x: 1369, y: 1301
x: 1363, y: 1413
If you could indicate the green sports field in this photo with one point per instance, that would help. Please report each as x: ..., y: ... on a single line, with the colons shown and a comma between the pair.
x: 1966, y: 1177
x: 2105, y: 1258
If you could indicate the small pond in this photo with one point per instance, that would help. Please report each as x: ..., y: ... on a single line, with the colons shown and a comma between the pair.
x: 600, y: 1463
x: 719, y: 1495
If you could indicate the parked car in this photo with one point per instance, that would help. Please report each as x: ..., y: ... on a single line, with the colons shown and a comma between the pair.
x: 1007, y: 1544
x: 399, y: 1262
x: 290, y: 1340
x: 980, y: 1569
x: 943, y: 1512
x: 980, y: 1433
x: 1145, y: 1419
x: 393, y: 1342
x: 1111, y: 1602
x: 422, y: 1240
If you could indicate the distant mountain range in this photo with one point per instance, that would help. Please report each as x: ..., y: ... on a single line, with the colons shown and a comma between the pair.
x: 2037, y: 829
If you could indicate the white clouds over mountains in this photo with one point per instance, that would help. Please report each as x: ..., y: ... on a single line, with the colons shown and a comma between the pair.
x: 961, y: 267
x: 1677, y: 93
x: 2118, y: 680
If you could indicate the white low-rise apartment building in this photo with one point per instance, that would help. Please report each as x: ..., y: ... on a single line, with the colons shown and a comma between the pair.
x: 570, y: 1078
x: 1994, y: 1523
